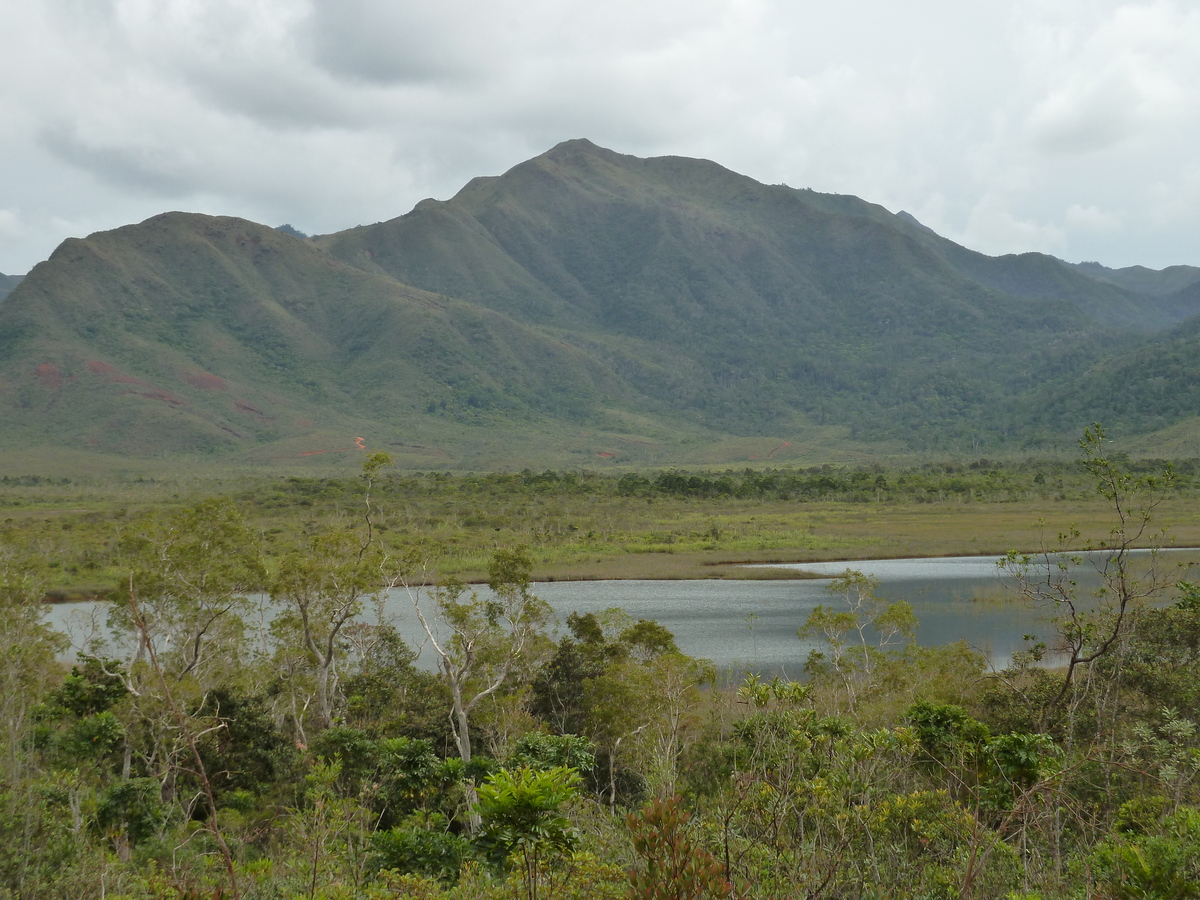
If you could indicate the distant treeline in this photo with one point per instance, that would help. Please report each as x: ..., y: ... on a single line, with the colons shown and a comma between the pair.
x: 982, y: 480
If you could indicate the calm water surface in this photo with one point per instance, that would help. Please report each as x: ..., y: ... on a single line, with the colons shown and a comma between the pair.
x: 752, y: 624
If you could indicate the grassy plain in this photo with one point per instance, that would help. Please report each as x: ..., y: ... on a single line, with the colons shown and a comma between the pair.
x: 665, y: 525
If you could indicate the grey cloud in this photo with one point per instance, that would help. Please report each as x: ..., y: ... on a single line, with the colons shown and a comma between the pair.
x: 132, y: 167
x: 384, y: 42
x: 277, y: 99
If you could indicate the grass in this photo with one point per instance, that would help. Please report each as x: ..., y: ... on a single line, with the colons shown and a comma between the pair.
x: 576, y: 526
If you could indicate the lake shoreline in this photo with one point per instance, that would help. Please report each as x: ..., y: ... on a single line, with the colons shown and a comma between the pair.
x: 642, y: 569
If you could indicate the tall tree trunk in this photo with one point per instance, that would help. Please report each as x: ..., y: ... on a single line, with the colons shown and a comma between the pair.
x: 462, y: 737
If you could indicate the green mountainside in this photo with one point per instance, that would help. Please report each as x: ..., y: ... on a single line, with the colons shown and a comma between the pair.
x: 585, y: 306
x: 189, y: 332
x: 1114, y: 297
x: 1144, y: 390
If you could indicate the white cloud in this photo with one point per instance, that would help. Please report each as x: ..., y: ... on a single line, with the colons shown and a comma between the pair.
x: 11, y: 227
x: 1091, y: 219
x: 993, y: 223
x: 1135, y: 71
x: 985, y: 120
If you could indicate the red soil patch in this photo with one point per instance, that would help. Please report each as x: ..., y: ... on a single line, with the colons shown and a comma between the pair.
x: 49, y: 375
x: 360, y: 444
x: 161, y: 395
x: 305, y: 423
x: 98, y: 367
x: 154, y: 393
x: 777, y: 449
x: 606, y: 455
x: 205, y: 381
x: 250, y: 409
x: 129, y: 379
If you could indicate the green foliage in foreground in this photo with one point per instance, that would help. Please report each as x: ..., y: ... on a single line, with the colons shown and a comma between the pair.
x: 205, y: 757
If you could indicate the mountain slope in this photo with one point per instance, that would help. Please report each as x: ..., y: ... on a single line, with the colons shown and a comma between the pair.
x: 584, y: 305
x: 1144, y: 390
x: 1142, y: 280
x: 7, y: 283
x: 192, y: 332
x: 787, y: 300
x: 1109, y: 296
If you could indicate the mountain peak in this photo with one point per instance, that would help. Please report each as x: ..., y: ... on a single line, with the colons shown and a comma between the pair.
x: 657, y: 302
x: 576, y: 145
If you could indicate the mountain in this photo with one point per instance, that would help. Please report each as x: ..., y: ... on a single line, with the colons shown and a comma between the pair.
x: 779, y: 300
x: 583, y: 306
x: 1158, y: 282
x: 1108, y: 295
x: 190, y: 332
x: 7, y: 283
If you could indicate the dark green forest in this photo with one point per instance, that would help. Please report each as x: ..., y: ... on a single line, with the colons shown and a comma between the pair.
x: 204, y: 751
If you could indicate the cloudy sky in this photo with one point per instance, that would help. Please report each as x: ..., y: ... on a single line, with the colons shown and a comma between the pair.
x: 1066, y: 126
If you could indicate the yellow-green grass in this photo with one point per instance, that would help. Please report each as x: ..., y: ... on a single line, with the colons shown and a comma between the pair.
x: 78, y: 524
x: 689, y: 540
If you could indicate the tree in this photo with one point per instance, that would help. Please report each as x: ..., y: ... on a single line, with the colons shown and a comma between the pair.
x: 385, y: 693
x: 1093, y: 629
x: 486, y: 640
x: 854, y: 659
x: 30, y: 834
x: 520, y: 814
x: 190, y: 574
x: 27, y: 645
x: 320, y: 589
x: 672, y: 865
x: 559, y: 688
x: 638, y: 714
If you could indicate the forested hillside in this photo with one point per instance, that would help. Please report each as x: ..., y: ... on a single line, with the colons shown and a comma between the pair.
x: 584, y: 307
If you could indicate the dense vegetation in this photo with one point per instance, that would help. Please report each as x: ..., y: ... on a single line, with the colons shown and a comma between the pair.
x: 210, y: 754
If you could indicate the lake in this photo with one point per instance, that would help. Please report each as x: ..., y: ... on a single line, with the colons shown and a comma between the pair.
x: 752, y: 624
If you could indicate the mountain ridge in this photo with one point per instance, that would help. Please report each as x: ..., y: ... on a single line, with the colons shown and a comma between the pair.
x: 583, y: 306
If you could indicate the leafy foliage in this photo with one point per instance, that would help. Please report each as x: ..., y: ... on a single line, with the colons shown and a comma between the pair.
x: 892, y: 770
